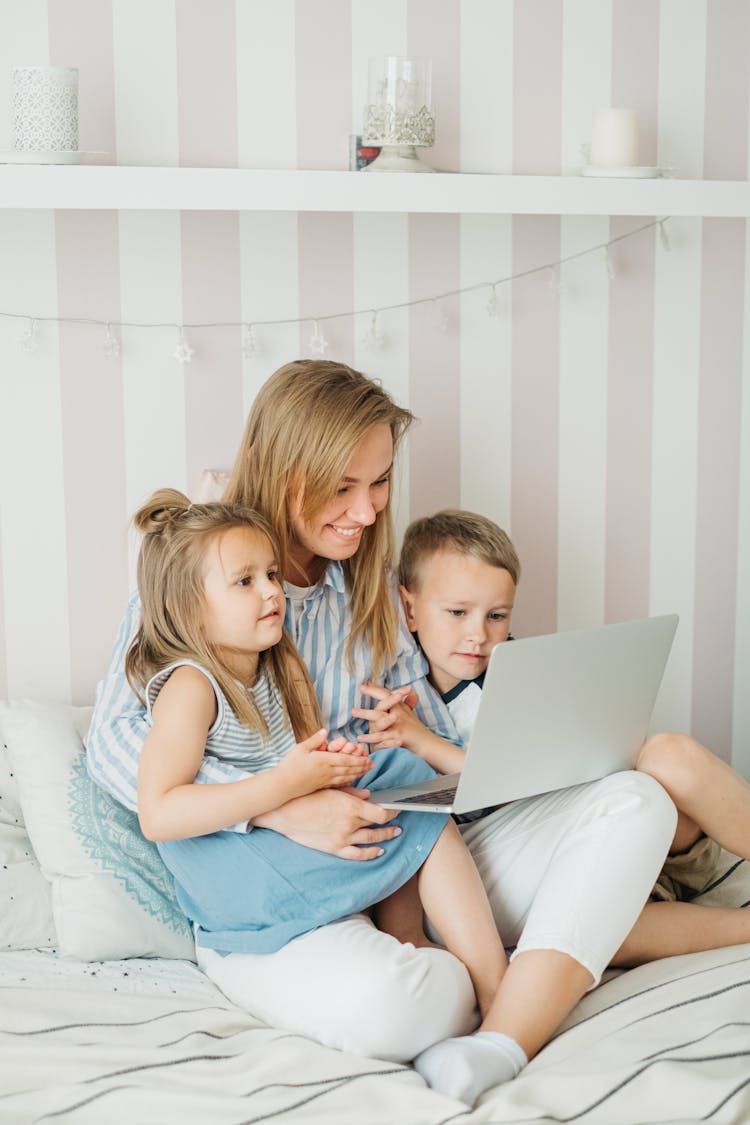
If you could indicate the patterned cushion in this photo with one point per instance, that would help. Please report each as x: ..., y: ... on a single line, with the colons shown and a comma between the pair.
x: 112, y: 897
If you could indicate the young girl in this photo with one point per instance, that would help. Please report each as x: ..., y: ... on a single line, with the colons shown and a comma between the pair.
x: 221, y: 678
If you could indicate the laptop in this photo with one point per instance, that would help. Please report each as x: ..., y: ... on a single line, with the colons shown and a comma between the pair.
x: 555, y: 711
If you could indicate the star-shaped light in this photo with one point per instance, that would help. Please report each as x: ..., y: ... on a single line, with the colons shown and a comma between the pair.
x: 493, y: 305
x: 373, y: 339
x: 318, y: 342
x: 443, y: 319
x: 249, y: 342
x: 30, y: 339
x: 111, y: 344
x: 183, y: 353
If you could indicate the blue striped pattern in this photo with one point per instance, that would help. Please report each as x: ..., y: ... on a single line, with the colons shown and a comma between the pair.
x: 321, y: 628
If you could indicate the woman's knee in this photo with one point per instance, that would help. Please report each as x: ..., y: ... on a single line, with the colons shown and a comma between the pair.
x: 352, y: 987
x: 420, y: 997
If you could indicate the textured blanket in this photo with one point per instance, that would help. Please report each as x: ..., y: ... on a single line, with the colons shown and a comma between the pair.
x: 669, y: 1042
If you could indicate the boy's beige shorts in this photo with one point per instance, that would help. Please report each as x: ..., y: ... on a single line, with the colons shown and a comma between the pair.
x: 693, y: 872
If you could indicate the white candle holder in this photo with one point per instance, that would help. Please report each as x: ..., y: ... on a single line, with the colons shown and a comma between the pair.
x: 398, y: 114
x: 45, y: 109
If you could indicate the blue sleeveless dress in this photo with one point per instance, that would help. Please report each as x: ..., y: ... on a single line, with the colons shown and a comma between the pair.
x: 253, y: 892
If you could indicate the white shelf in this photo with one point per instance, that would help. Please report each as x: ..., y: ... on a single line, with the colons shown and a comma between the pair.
x: 104, y: 187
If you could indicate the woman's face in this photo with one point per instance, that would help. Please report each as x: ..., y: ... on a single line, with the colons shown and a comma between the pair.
x: 336, y: 532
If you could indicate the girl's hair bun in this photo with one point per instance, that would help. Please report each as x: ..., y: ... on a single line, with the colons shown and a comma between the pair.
x: 165, y: 506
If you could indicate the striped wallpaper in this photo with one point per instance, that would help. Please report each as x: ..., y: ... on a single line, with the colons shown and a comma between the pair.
x: 604, y: 425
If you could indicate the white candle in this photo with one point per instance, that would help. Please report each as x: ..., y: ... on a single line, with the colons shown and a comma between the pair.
x: 614, y: 138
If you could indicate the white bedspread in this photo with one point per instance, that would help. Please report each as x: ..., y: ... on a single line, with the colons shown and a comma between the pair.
x: 669, y: 1042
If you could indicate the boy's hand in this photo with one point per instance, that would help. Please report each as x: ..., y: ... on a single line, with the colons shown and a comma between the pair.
x: 392, y: 719
x: 316, y: 764
x: 393, y: 723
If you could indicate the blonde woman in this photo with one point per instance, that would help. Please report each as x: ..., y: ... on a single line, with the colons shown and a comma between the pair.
x: 316, y: 459
x: 221, y: 679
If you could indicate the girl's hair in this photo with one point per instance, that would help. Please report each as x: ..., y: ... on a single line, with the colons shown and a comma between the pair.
x: 301, y: 434
x: 176, y: 537
x: 453, y: 529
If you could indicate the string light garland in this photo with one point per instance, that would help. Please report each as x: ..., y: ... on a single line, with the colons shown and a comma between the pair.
x: 374, y: 339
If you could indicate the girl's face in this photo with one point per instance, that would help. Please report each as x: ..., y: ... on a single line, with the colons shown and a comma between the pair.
x: 243, y: 608
x: 336, y: 532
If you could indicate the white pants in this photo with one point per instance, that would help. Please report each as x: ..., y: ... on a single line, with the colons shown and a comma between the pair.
x: 568, y: 871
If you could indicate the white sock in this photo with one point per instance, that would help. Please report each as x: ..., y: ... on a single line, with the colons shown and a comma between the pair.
x: 464, y: 1068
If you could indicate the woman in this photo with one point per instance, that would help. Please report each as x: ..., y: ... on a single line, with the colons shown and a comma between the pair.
x: 316, y: 459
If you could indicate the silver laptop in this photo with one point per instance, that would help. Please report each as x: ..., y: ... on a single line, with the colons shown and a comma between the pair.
x: 555, y: 711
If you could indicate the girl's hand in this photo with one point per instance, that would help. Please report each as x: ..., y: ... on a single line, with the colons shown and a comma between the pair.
x: 313, y: 764
x: 341, y: 746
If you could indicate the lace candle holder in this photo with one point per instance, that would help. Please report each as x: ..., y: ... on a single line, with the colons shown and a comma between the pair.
x: 45, y: 108
x: 398, y: 114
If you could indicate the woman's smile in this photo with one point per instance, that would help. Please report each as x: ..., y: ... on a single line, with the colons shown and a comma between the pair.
x: 347, y: 532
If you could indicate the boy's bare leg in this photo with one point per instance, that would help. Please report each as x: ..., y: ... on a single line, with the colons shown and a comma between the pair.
x: 454, y: 898
x: 710, y: 796
x: 667, y: 929
x: 401, y: 915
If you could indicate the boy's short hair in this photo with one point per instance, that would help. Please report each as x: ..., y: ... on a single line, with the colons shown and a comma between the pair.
x: 453, y: 529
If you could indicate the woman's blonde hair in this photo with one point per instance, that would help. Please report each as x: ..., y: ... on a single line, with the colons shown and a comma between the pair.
x: 302, y: 432
x: 176, y: 537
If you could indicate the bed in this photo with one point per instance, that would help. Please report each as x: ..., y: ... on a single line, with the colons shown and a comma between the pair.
x: 104, y: 1015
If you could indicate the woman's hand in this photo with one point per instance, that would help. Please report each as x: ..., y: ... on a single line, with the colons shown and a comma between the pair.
x: 339, y: 822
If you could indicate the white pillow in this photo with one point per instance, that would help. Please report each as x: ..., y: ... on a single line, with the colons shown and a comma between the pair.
x: 25, y: 895
x: 10, y: 805
x: 112, y: 896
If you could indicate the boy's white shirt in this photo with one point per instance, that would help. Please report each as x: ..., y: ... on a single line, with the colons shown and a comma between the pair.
x: 464, y: 709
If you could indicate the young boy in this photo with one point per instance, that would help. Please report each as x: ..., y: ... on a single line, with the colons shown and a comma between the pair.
x: 458, y: 575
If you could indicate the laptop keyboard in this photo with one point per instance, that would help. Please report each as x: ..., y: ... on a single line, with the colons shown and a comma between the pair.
x: 436, y: 797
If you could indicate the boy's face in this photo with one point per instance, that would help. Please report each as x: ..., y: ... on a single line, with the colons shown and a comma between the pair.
x: 461, y: 610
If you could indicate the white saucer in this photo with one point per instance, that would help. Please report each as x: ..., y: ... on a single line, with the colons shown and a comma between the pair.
x: 42, y: 156
x: 636, y: 172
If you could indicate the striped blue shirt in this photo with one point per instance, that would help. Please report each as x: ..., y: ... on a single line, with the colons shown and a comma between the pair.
x: 320, y: 628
